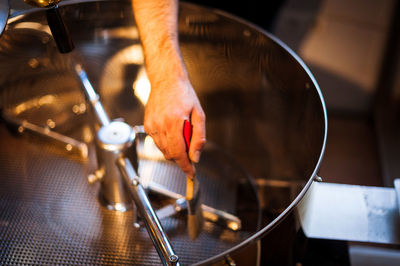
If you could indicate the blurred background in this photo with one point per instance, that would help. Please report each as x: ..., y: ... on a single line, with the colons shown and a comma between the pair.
x: 352, y: 48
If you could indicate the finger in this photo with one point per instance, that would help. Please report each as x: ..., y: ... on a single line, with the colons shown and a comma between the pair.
x: 157, y: 133
x: 159, y: 140
x: 186, y: 166
x: 162, y: 145
x: 177, y: 149
x: 198, y: 140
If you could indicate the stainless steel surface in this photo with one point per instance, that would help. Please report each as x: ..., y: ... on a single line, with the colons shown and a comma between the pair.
x: 153, y: 225
x: 4, y: 11
x: 397, y: 190
x: 68, y: 144
x: 209, y: 213
x: 113, y: 140
x: 265, y: 118
x: 222, y: 218
x: 351, y: 213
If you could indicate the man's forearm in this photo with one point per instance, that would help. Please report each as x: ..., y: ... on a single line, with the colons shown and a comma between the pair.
x: 157, y: 24
x: 172, y: 98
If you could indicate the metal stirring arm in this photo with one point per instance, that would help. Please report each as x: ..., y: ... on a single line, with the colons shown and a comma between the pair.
x: 152, y: 223
x: 211, y: 214
x: 69, y: 144
x: 131, y: 180
x: 92, y: 97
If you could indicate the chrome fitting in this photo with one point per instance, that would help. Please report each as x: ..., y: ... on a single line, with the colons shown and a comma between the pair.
x: 113, y: 139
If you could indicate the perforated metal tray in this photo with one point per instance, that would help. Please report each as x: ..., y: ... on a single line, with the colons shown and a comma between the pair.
x: 263, y: 108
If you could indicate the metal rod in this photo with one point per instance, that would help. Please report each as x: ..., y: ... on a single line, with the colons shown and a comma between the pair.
x: 211, y: 214
x: 69, y: 144
x: 153, y: 225
x: 92, y: 96
x: 129, y: 176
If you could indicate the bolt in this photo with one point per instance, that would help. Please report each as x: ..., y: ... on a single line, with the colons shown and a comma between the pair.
x: 229, y: 261
x: 50, y: 123
x: 68, y: 147
x: 317, y: 178
x: 136, y: 225
x: 173, y: 258
x: 135, y: 181
x: 97, y: 176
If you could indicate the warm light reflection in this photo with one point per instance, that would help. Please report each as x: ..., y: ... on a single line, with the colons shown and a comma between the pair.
x: 42, y: 3
x: 34, y: 26
x: 142, y: 87
x: 120, y: 207
x: 150, y: 150
x: 122, y: 32
x: 87, y: 134
x: 34, y: 103
x: 233, y: 226
x: 113, y: 77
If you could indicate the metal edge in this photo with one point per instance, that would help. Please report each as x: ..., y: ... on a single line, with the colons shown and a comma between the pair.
x: 294, y: 203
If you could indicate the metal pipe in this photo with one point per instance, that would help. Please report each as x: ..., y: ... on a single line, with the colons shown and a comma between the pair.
x: 153, y: 225
x: 92, y: 96
x: 129, y: 176
x: 69, y: 144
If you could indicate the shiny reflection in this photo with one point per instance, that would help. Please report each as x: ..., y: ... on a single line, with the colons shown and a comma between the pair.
x: 113, y: 78
x: 122, y: 32
x: 142, y: 87
x: 149, y: 150
x: 265, y: 117
x: 34, y: 103
x: 34, y: 26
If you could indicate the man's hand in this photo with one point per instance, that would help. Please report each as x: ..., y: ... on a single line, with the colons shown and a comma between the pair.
x: 172, y: 99
x: 171, y: 102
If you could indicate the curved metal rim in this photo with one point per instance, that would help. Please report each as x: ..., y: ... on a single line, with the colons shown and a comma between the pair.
x: 290, y: 208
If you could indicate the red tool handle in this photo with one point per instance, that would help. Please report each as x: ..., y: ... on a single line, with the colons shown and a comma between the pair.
x: 187, y: 133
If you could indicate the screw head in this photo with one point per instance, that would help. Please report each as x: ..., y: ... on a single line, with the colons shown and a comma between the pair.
x: 173, y: 258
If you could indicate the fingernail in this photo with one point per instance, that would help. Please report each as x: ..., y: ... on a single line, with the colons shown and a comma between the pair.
x: 196, y: 157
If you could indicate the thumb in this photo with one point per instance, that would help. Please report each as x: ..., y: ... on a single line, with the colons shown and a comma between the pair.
x: 198, y: 134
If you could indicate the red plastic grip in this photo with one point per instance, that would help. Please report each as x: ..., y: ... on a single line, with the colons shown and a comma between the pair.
x: 187, y: 133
